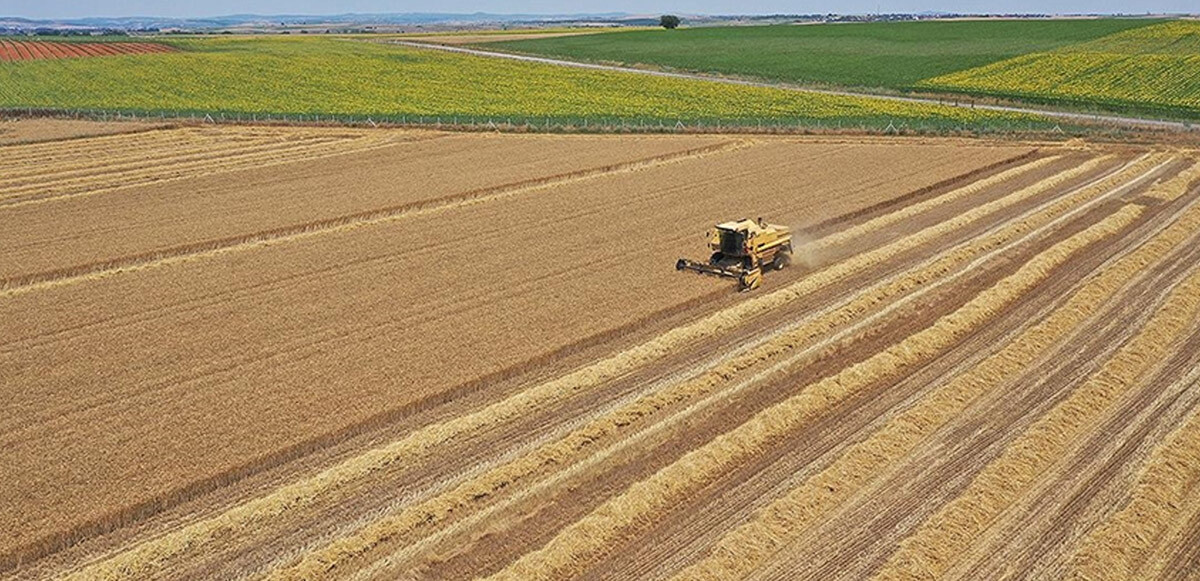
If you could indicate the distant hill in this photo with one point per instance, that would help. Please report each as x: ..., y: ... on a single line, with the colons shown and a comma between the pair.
x: 285, y: 20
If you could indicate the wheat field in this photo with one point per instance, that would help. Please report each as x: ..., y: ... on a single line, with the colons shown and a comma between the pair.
x: 313, y: 353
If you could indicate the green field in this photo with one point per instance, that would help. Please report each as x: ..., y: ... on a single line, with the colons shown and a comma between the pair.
x: 1151, y: 70
x: 866, y: 55
x: 351, y: 77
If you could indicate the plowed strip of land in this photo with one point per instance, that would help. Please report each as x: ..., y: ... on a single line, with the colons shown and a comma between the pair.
x: 19, y: 50
x: 301, y: 326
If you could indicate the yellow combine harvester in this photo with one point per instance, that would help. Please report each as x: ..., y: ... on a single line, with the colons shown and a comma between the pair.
x: 742, y: 249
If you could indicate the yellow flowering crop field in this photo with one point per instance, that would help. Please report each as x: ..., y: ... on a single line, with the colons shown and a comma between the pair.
x: 353, y: 77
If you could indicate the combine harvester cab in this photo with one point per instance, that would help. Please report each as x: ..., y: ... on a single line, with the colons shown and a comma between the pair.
x: 742, y: 250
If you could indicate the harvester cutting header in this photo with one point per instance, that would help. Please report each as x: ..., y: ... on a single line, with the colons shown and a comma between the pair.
x: 742, y: 250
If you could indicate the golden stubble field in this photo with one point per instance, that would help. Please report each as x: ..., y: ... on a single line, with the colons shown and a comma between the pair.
x: 309, y: 353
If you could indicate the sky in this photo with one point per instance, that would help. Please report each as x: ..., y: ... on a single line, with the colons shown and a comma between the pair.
x: 82, y: 8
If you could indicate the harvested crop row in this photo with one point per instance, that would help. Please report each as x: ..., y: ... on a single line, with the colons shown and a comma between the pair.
x: 560, y: 453
x: 143, y: 558
x: 1168, y: 478
x: 211, y: 159
x: 932, y: 549
x: 73, y: 149
x: 570, y: 551
x: 740, y: 551
x: 51, y: 173
x: 55, y: 180
x: 61, y: 154
x: 124, y: 144
x: 842, y: 236
x: 1178, y: 185
x: 164, y: 148
x: 219, y: 161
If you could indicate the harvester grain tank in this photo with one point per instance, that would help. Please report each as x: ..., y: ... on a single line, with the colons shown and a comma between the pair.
x: 742, y: 250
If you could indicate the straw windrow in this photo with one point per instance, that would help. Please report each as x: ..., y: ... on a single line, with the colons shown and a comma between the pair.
x: 743, y: 549
x: 1167, y: 481
x: 575, y: 546
x: 933, y: 548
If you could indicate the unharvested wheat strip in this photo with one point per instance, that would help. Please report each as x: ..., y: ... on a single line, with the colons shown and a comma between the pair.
x: 773, y: 347
x: 574, y: 547
x: 742, y: 550
x: 1118, y: 546
x: 912, y: 210
x: 140, y: 560
x: 932, y: 549
x: 344, y: 223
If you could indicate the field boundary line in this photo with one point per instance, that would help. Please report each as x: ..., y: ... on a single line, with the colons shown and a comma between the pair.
x: 742, y: 549
x: 569, y: 551
x: 205, y: 249
x: 933, y: 547
x: 1065, y: 115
